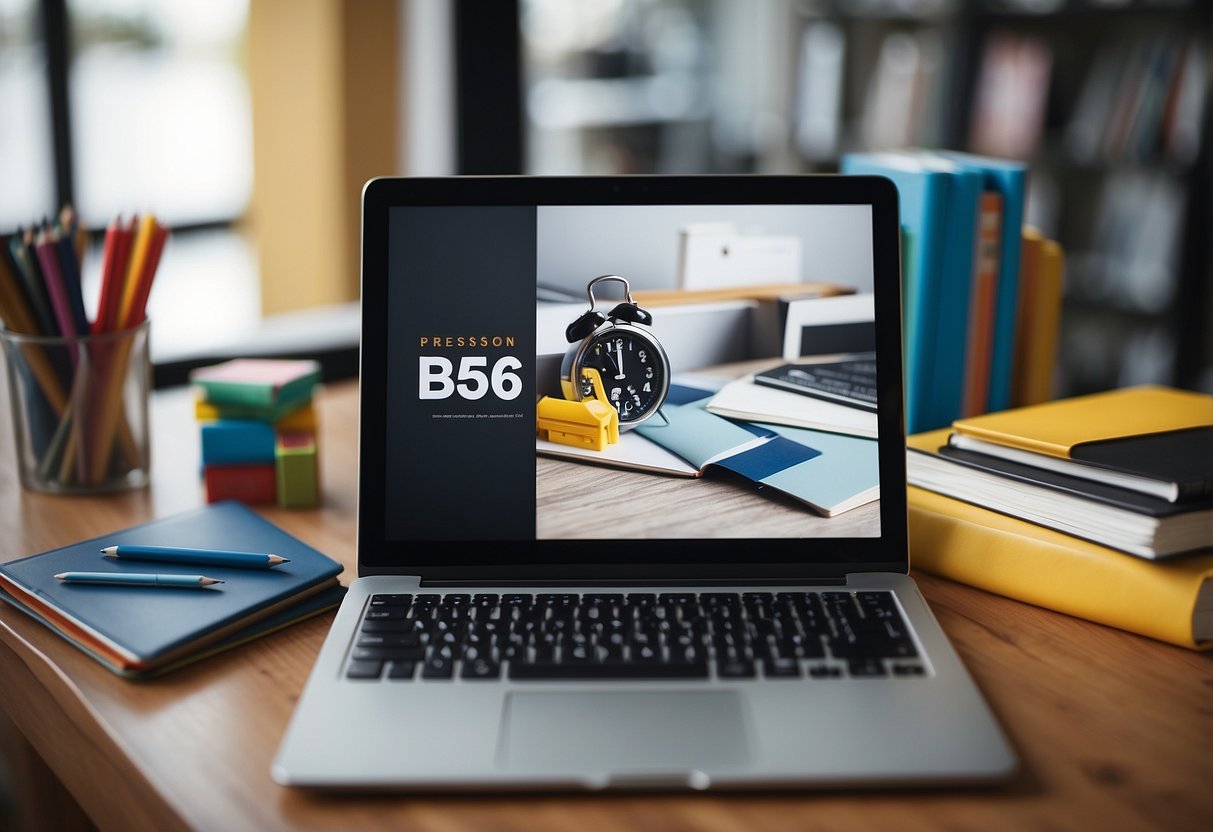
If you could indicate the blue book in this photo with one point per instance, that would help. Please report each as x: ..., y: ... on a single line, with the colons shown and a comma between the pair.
x: 1009, y: 178
x: 144, y: 631
x: 961, y: 231
x: 237, y: 441
x: 924, y: 197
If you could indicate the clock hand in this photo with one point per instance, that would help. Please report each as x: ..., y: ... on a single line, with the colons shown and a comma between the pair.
x: 619, y: 363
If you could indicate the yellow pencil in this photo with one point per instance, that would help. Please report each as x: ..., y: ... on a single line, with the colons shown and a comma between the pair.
x: 143, y: 239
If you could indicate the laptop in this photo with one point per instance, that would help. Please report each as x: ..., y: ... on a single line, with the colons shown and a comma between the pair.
x: 526, y: 619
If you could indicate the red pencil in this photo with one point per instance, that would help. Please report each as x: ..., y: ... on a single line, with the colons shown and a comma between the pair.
x: 113, y: 279
x: 102, y: 322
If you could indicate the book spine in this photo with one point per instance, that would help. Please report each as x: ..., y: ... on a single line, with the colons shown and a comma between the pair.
x: 1052, y: 570
x: 952, y: 296
x: 1012, y: 184
x: 1030, y: 255
x: 981, y: 306
x: 1041, y: 350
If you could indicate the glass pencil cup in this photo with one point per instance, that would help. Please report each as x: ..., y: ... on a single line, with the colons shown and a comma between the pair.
x: 79, y: 410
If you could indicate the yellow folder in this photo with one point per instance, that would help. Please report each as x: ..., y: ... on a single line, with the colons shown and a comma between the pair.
x: 1054, y: 428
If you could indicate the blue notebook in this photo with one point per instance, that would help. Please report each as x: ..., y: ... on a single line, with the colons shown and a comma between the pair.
x: 140, y: 631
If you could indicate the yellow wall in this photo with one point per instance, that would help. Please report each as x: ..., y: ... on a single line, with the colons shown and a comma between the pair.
x: 325, y: 91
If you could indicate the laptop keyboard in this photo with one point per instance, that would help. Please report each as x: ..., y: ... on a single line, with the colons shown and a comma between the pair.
x: 591, y: 636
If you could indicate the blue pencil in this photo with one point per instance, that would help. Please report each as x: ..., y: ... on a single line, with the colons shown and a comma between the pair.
x: 137, y: 579
x: 208, y: 557
x: 69, y: 268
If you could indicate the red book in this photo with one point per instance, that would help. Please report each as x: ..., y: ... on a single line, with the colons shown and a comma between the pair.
x: 982, y: 306
x: 247, y: 483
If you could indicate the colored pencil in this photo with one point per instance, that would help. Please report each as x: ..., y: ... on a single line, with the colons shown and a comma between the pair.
x: 200, y: 557
x: 137, y: 579
x: 134, y: 271
x: 107, y: 302
x: 31, y: 280
x: 48, y: 259
x: 14, y: 310
x: 138, y: 311
x: 18, y: 318
x: 69, y: 269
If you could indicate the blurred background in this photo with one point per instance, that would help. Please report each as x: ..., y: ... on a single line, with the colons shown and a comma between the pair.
x: 249, y: 127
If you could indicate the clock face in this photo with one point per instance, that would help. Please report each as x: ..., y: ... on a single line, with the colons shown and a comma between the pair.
x: 633, y: 370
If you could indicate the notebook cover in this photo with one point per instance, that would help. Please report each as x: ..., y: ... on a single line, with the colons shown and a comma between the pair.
x: 1055, y: 428
x: 147, y: 625
x: 1184, y: 457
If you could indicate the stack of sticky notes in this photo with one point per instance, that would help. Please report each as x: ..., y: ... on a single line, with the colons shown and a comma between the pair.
x: 258, y: 430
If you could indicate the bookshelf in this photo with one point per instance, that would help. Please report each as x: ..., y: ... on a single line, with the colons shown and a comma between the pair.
x: 1108, y: 100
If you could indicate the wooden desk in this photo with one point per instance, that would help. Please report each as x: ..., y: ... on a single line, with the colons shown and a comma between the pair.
x: 1114, y: 731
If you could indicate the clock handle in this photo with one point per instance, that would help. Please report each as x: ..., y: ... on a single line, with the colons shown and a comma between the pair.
x: 627, y: 311
x: 592, y: 319
x: 627, y: 289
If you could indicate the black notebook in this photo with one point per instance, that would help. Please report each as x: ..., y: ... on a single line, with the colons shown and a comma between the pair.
x: 849, y: 380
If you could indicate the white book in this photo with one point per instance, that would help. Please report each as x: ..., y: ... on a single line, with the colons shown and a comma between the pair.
x: 744, y: 399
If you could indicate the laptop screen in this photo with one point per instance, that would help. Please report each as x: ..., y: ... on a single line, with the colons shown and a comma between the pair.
x: 631, y: 377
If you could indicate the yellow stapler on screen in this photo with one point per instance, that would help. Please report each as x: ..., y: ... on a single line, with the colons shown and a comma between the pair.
x: 591, y: 423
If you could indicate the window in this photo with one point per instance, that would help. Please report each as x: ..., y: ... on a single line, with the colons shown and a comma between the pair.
x: 120, y: 107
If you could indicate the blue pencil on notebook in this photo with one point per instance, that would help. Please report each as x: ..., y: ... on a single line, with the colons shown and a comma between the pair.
x: 206, y: 557
x: 137, y: 579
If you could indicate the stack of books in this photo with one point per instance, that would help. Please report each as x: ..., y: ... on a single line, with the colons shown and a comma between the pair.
x: 981, y: 289
x: 1100, y: 506
x: 258, y: 430
x: 102, y: 602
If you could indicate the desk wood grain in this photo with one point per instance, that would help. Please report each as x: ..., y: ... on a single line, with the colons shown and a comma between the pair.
x: 1114, y: 731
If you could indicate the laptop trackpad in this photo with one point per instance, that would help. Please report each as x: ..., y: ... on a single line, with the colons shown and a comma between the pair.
x: 624, y: 733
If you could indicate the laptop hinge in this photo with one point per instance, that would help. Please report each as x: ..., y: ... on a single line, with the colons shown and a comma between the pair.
x: 654, y: 582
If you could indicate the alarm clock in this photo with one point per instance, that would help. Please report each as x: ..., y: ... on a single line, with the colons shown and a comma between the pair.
x: 620, y: 345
